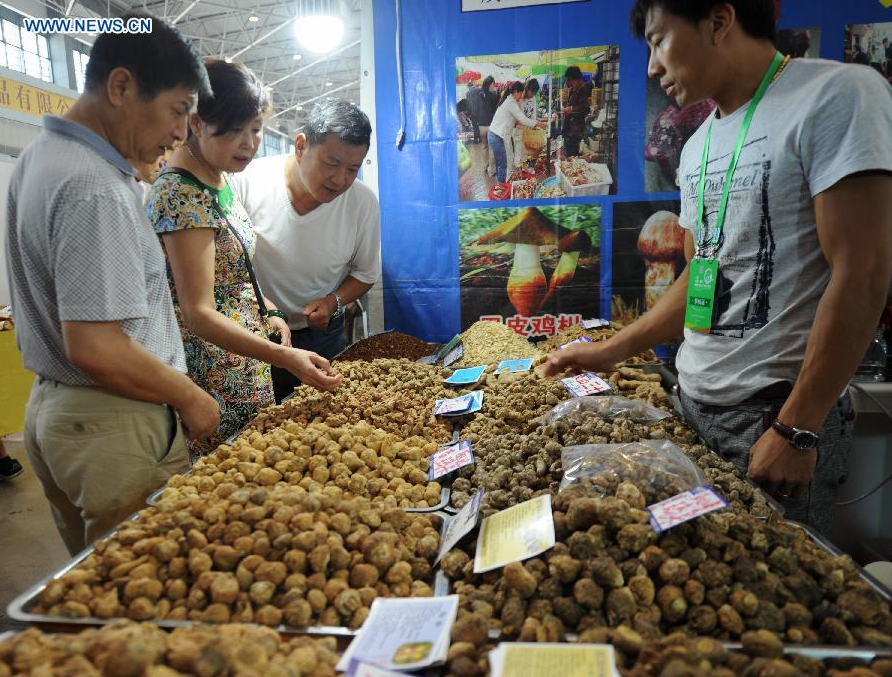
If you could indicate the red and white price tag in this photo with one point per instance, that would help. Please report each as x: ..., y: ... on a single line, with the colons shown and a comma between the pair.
x: 585, y: 384
x: 450, y: 459
x: 684, y: 507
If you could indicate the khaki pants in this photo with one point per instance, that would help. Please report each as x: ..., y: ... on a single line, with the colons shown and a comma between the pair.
x: 98, y: 455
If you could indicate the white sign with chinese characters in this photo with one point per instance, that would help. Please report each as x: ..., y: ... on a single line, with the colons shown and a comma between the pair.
x: 483, y: 5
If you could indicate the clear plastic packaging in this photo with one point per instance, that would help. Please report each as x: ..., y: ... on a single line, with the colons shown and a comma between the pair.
x: 608, y: 407
x: 658, y: 466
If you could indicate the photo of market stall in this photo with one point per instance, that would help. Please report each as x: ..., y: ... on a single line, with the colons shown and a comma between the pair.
x: 556, y: 131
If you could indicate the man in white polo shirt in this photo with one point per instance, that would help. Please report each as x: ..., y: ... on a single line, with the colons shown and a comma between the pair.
x: 318, y: 229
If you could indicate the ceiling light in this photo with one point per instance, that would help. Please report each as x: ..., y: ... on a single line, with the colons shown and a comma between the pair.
x: 319, y: 26
x: 253, y: 18
x: 228, y: 59
x: 297, y: 57
x: 300, y: 108
x: 328, y: 83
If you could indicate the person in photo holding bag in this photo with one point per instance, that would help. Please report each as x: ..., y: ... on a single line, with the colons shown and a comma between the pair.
x: 209, y: 240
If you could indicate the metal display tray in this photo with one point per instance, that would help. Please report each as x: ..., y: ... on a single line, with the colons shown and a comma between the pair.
x: 19, y: 609
x: 821, y: 541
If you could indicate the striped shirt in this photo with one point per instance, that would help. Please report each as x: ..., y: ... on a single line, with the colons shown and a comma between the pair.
x: 80, y: 249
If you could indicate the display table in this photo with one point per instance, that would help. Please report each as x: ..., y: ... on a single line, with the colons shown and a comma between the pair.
x: 16, y: 385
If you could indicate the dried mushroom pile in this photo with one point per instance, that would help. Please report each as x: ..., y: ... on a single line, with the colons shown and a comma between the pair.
x: 514, y: 467
x: 720, y: 575
x: 602, y: 334
x: 127, y: 649
x: 391, y: 345
x: 347, y: 462
x: 761, y: 655
x: 492, y: 342
x: 396, y: 396
x: 252, y: 554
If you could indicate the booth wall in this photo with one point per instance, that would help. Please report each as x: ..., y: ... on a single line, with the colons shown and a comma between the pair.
x: 418, y: 183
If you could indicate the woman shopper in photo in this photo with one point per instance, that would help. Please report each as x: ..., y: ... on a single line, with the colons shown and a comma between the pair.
x: 209, y: 239
x: 530, y: 108
x: 507, y: 116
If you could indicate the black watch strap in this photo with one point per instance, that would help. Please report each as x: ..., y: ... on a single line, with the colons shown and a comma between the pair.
x: 803, y: 440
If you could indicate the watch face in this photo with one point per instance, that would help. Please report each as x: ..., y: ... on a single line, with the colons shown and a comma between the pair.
x: 805, y: 440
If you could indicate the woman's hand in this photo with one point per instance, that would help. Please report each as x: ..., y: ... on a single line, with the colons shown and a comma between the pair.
x: 312, y: 369
x: 278, y: 326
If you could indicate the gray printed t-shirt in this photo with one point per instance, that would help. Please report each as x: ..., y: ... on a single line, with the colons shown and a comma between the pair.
x: 80, y: 249
x: 819, y: 122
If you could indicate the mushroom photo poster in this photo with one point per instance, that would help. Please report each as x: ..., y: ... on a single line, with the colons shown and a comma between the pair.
x: 535, y: 269
x: 567, y: 145
x: 647, y: 257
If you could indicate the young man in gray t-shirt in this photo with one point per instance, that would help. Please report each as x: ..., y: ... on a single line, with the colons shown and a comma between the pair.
x: 90, y: 296
x: 804, y: 257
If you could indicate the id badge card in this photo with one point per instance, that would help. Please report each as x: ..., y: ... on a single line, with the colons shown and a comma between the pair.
x: 701, y: 294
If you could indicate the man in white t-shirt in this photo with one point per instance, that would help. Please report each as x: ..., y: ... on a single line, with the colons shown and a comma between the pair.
x: 318, y: 229
x: 804, y: 257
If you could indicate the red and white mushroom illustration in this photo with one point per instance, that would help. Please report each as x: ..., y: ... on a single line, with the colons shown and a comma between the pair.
x: 528, y: 231
x: 570, y: 246
x: 661, y: 243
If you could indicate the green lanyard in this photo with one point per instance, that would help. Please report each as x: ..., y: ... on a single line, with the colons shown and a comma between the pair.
x: 744, y: 130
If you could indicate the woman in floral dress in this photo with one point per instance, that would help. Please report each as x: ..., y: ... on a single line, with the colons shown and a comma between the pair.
x: 204, y: 231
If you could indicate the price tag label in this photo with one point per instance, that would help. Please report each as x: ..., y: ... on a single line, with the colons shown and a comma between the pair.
x: 455, y: 405
x: 461, y: 525
x: 514, y: 366
x: 567, y: 660
x: 595, y: 324
x: 454, y: 355
x: 464, y: 376
x: 584, y: 339
x: 450, y: 459
x: 585, y: 384
x: 518, y: 533
x: 684, y: 507
x: 458, y: 406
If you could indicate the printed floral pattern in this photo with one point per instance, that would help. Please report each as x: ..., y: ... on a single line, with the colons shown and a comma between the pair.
x: 241, y: 385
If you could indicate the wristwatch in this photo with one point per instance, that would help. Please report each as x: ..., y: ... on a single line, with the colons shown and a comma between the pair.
x: 803, y: 440
x: 340, y: 308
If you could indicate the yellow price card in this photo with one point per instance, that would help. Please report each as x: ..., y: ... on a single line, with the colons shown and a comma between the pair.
x: 515, y: 534
x: 546, y: 660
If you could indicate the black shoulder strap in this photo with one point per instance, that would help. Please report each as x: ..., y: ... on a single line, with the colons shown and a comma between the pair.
x: 186, y: 174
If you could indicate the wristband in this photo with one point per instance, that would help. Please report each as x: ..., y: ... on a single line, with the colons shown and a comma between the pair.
x: 277, y: 313
x: 340, y: 306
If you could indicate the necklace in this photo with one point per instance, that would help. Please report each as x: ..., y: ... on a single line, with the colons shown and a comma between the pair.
x: 203, y: 163
x: 781, y: 69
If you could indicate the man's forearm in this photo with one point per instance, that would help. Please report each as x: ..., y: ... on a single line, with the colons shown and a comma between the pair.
x: 352, y: 289
x: 124, y: 367
x: 844, y: 324
x: 661, y: 324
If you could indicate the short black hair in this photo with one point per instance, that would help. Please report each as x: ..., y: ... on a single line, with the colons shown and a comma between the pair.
x: 756, y: 17
x: 341, y: 118
x: 532, y: 85
x: 238, y: 96
x: 159, y: 61
x: 488, y: 81
x: 573, y: 73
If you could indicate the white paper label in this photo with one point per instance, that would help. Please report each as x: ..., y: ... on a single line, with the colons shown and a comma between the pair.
x: 585, y: 384
x: 450, y: 459
x: 595, y: 324
x: 684, y: 507
x: 461, y: 525
x: 404, y: 633
x: 515, y: 534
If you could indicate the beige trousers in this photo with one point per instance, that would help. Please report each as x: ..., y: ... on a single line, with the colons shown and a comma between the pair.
x: 98, y: 455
